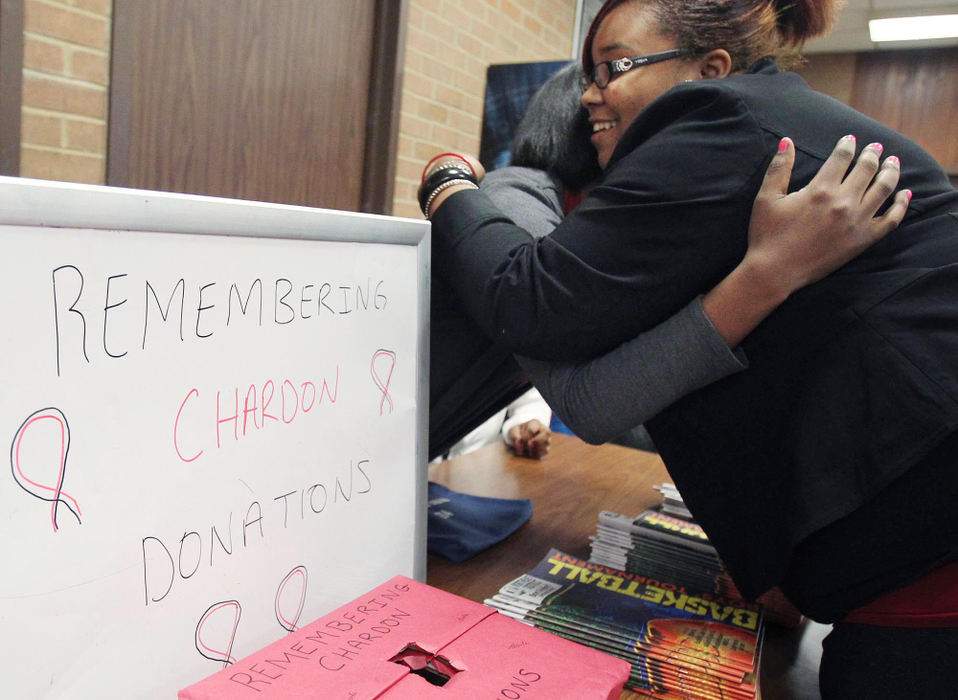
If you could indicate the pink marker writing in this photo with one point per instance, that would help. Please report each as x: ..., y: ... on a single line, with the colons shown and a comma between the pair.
x: 216, y: 631
x: 290, y: 597
x: 381, y: 369
x: 47, y: 424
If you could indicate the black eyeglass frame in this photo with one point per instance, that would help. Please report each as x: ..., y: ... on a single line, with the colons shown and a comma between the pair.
x: 618, y: 66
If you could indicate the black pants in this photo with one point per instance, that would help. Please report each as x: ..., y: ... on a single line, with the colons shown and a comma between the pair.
x: 913, y: 521
x: 888, y: 663
x: 470, y: 378
x: 905, y: 531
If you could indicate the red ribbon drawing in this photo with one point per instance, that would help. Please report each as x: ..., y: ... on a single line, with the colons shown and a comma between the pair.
x: 53, y: 494
x: 298, y: 597
x: 382, y: 355
x: 215, y: 610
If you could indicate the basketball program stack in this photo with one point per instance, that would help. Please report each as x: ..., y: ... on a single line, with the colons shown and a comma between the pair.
x: 666, y: 544
x: 680, y: 643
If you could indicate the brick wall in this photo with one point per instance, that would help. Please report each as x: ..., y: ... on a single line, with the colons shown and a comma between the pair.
x: 449, y: 45
x: 65, y: 89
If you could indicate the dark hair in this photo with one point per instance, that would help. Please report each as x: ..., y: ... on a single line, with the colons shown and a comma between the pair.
x: 747, y: 29
x: 553, y: 134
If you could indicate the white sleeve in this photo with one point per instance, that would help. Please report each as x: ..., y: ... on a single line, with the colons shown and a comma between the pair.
x: 528, y: 406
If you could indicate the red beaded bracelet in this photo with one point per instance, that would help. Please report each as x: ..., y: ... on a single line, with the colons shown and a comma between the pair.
x: 443, y: 155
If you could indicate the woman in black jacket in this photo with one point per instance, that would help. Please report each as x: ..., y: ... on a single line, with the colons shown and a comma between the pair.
x: 828, y: 467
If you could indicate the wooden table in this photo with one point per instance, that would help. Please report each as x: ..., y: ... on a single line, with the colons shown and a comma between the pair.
x: 568, y: 489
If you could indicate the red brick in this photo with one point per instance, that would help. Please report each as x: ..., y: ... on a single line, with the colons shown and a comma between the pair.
x: 63, y: 96
x: 468, y: 37
x: 91, y: 66
x: 41, y: 129
x: 44, y: 56
x: 99, y: 7
x: 86, y: 136
x: 61, y: 22
x: 52, y: 165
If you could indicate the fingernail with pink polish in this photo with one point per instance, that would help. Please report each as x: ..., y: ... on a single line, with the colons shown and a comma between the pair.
x: 783, y: 144
x: 893, y: 160
x: 877, y: 147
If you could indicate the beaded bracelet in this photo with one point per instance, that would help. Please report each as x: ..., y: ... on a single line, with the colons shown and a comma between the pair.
x: 443, y: 155
x: 445, y: 166
x: 438, y: 178
x: 446, y: 185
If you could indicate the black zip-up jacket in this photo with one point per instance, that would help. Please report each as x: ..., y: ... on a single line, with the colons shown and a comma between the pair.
x: 852, y: 381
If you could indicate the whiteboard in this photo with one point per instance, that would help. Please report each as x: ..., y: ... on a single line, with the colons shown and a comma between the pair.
x: 215, y: 416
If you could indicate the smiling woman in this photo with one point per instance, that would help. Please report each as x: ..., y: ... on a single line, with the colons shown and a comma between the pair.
x: 630, y: 65
x: 847, y: 412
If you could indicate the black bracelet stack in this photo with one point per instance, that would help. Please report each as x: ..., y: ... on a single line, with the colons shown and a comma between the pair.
x: 443, y: 177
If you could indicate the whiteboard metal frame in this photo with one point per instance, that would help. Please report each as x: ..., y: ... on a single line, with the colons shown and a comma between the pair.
x: 47, y: 203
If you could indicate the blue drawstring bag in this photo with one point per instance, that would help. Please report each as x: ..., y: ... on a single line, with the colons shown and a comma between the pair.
x: 460, y: 526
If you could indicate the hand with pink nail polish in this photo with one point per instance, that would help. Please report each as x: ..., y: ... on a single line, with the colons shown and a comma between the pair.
x: 796, y: 239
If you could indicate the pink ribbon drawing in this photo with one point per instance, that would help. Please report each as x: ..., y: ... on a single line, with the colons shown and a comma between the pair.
x: 296, y: 596
x: 383, y: 356
x: 216, y: 611
x: 54, y: 494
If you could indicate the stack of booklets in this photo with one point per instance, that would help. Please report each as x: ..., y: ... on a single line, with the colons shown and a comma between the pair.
x: 672, y: 501
x: 660, y: 545
x: 673, y: 548
x: 681, y: 643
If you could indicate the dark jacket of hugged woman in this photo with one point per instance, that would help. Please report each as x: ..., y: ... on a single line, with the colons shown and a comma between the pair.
x: 828, y: 467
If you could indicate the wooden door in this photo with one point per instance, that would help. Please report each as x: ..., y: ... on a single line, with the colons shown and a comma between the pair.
x: 11, y: 82
x: 271, y: 100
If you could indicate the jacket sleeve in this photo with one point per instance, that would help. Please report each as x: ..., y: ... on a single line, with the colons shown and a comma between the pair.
x: 669, y: 220
x: 604, y: 397
x: 530, y: 198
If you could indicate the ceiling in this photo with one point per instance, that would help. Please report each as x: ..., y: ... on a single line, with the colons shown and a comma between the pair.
x: 851, y: 31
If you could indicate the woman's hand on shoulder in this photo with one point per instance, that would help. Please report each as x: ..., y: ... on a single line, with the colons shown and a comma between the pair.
x: 796, y: 239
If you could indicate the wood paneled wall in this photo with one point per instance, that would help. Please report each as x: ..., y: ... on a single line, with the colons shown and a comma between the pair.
x: 913, y: 91
x: 253, y: 99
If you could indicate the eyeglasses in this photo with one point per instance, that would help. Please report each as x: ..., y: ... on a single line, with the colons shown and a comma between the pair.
x: 603, y: 73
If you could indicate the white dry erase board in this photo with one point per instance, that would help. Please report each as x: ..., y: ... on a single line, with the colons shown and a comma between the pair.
x: 215, y: 417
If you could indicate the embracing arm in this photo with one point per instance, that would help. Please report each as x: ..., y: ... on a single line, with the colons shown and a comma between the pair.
x: 531, y: 198
x: 646, y: 241
x: 603, y: 398
x: 797, y: 239
x: 793, y: 240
